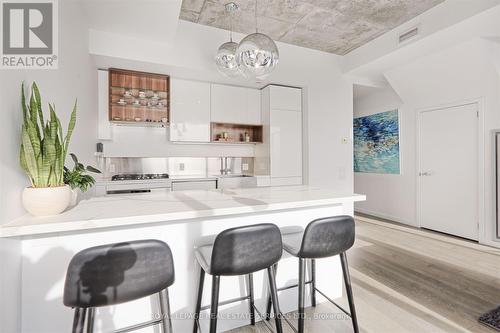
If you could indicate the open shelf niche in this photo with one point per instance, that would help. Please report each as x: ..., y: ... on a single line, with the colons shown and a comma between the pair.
x: 235, y: 133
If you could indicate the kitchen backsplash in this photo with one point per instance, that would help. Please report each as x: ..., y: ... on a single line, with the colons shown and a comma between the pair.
x: 177, y: 166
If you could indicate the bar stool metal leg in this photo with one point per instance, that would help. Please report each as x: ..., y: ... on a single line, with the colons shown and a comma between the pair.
x: 198, y: 300
x: 214, y: 305
x: 79, y: 320
x: 166, y: 321
x: 313, y: 282
x: 269, y: 302
x: 274, y: 296
x: 251, y: 300
x: 90, y: 320
x: 302, y: 284
x: 348, y: 287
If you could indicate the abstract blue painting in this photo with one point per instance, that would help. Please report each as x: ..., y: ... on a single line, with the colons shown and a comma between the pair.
x: 376, y: 143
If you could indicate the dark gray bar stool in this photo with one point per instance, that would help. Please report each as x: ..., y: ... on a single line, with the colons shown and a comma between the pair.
x: 239, y: 251
x: 325, y: 237
x: 117, y: 273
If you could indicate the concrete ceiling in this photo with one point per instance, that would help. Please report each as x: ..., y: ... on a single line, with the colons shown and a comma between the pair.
x: 335, y: 26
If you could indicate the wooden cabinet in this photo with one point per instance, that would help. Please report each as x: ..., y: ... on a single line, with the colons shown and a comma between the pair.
x: 235, y: 105
x: 139, y: 98
x: 190, y: 117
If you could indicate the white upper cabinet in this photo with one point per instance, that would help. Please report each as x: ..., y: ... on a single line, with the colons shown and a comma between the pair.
x: 104, y: 129
x: 190, y: 111
x: 235, y: 105
x: 253, y: 107
x: 285, y: 98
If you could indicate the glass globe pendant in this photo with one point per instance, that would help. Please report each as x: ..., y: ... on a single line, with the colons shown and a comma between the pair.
x: 226, y: 59
x: 257, y: 56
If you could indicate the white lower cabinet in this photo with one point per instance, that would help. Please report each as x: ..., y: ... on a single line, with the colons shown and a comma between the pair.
x: 190, y: 111
x: 194, y: 185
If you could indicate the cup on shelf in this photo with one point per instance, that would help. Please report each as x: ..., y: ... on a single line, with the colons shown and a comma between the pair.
x: 142, y: 94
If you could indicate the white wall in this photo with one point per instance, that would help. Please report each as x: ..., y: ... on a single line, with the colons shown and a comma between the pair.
x: 388, y: 196
x: 75, y: 78
x: 461, y: 73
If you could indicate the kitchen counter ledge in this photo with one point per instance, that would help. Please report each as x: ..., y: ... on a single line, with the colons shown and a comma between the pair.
x: 137, y: 209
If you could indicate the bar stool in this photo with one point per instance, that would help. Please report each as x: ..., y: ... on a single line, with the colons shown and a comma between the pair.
x: 239, y: 251
x: 324, y: 237
x: 117, y: 273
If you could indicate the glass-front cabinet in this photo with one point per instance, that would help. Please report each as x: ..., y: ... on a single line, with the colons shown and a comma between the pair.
x: 139, y: 98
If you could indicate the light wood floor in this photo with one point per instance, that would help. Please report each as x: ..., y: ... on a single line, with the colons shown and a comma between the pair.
x: 408, y: 280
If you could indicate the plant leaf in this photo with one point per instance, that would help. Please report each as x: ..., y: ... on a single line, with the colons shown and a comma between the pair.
x: 30, y: 157
x: 92, y: 169
x: 74, y: 158
x: 23, y: 103
x: 32, y: 132
x: 39, y: 102
x: 33, y: 114
x: 71, y: 127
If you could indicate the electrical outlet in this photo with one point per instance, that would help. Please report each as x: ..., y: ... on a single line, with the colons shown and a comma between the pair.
x: 345, y: 141
x: 244, y: 167
x: 181, y: 166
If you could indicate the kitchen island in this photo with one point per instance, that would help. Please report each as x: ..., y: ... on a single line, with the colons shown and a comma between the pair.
x: 36, y: 251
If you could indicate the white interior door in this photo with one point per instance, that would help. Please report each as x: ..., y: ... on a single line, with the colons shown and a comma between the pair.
x: 448, y: 170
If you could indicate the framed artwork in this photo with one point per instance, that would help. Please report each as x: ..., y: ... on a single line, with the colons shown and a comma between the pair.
x: 376, y: 143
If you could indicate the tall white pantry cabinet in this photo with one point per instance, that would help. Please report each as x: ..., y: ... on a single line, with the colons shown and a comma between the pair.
x: 280, y: 156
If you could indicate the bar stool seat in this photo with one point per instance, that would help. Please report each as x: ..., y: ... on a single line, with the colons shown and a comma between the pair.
x: 203, y: 255
x: 292, y: 241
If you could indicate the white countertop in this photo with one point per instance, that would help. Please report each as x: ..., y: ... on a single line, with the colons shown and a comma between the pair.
x: 137, y: 209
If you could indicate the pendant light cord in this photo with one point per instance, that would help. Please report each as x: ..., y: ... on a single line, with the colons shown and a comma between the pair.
x: 231, y: 27
x: 256, y: 22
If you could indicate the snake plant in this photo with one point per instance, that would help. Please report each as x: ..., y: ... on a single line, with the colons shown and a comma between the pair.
x: 43, y: 146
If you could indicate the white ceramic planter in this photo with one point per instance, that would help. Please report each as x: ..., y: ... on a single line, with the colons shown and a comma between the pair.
x: 75, y: 194
x: 46, y: 200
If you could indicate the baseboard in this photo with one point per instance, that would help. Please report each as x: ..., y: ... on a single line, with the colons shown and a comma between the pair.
x: 384, y: 216
x: 492, y: 249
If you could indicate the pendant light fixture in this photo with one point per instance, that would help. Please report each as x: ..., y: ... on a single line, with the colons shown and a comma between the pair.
x: 226, y: 54
x: 257, y: 55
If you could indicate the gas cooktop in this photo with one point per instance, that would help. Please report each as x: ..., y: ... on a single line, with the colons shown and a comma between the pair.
x: 140, y: 176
